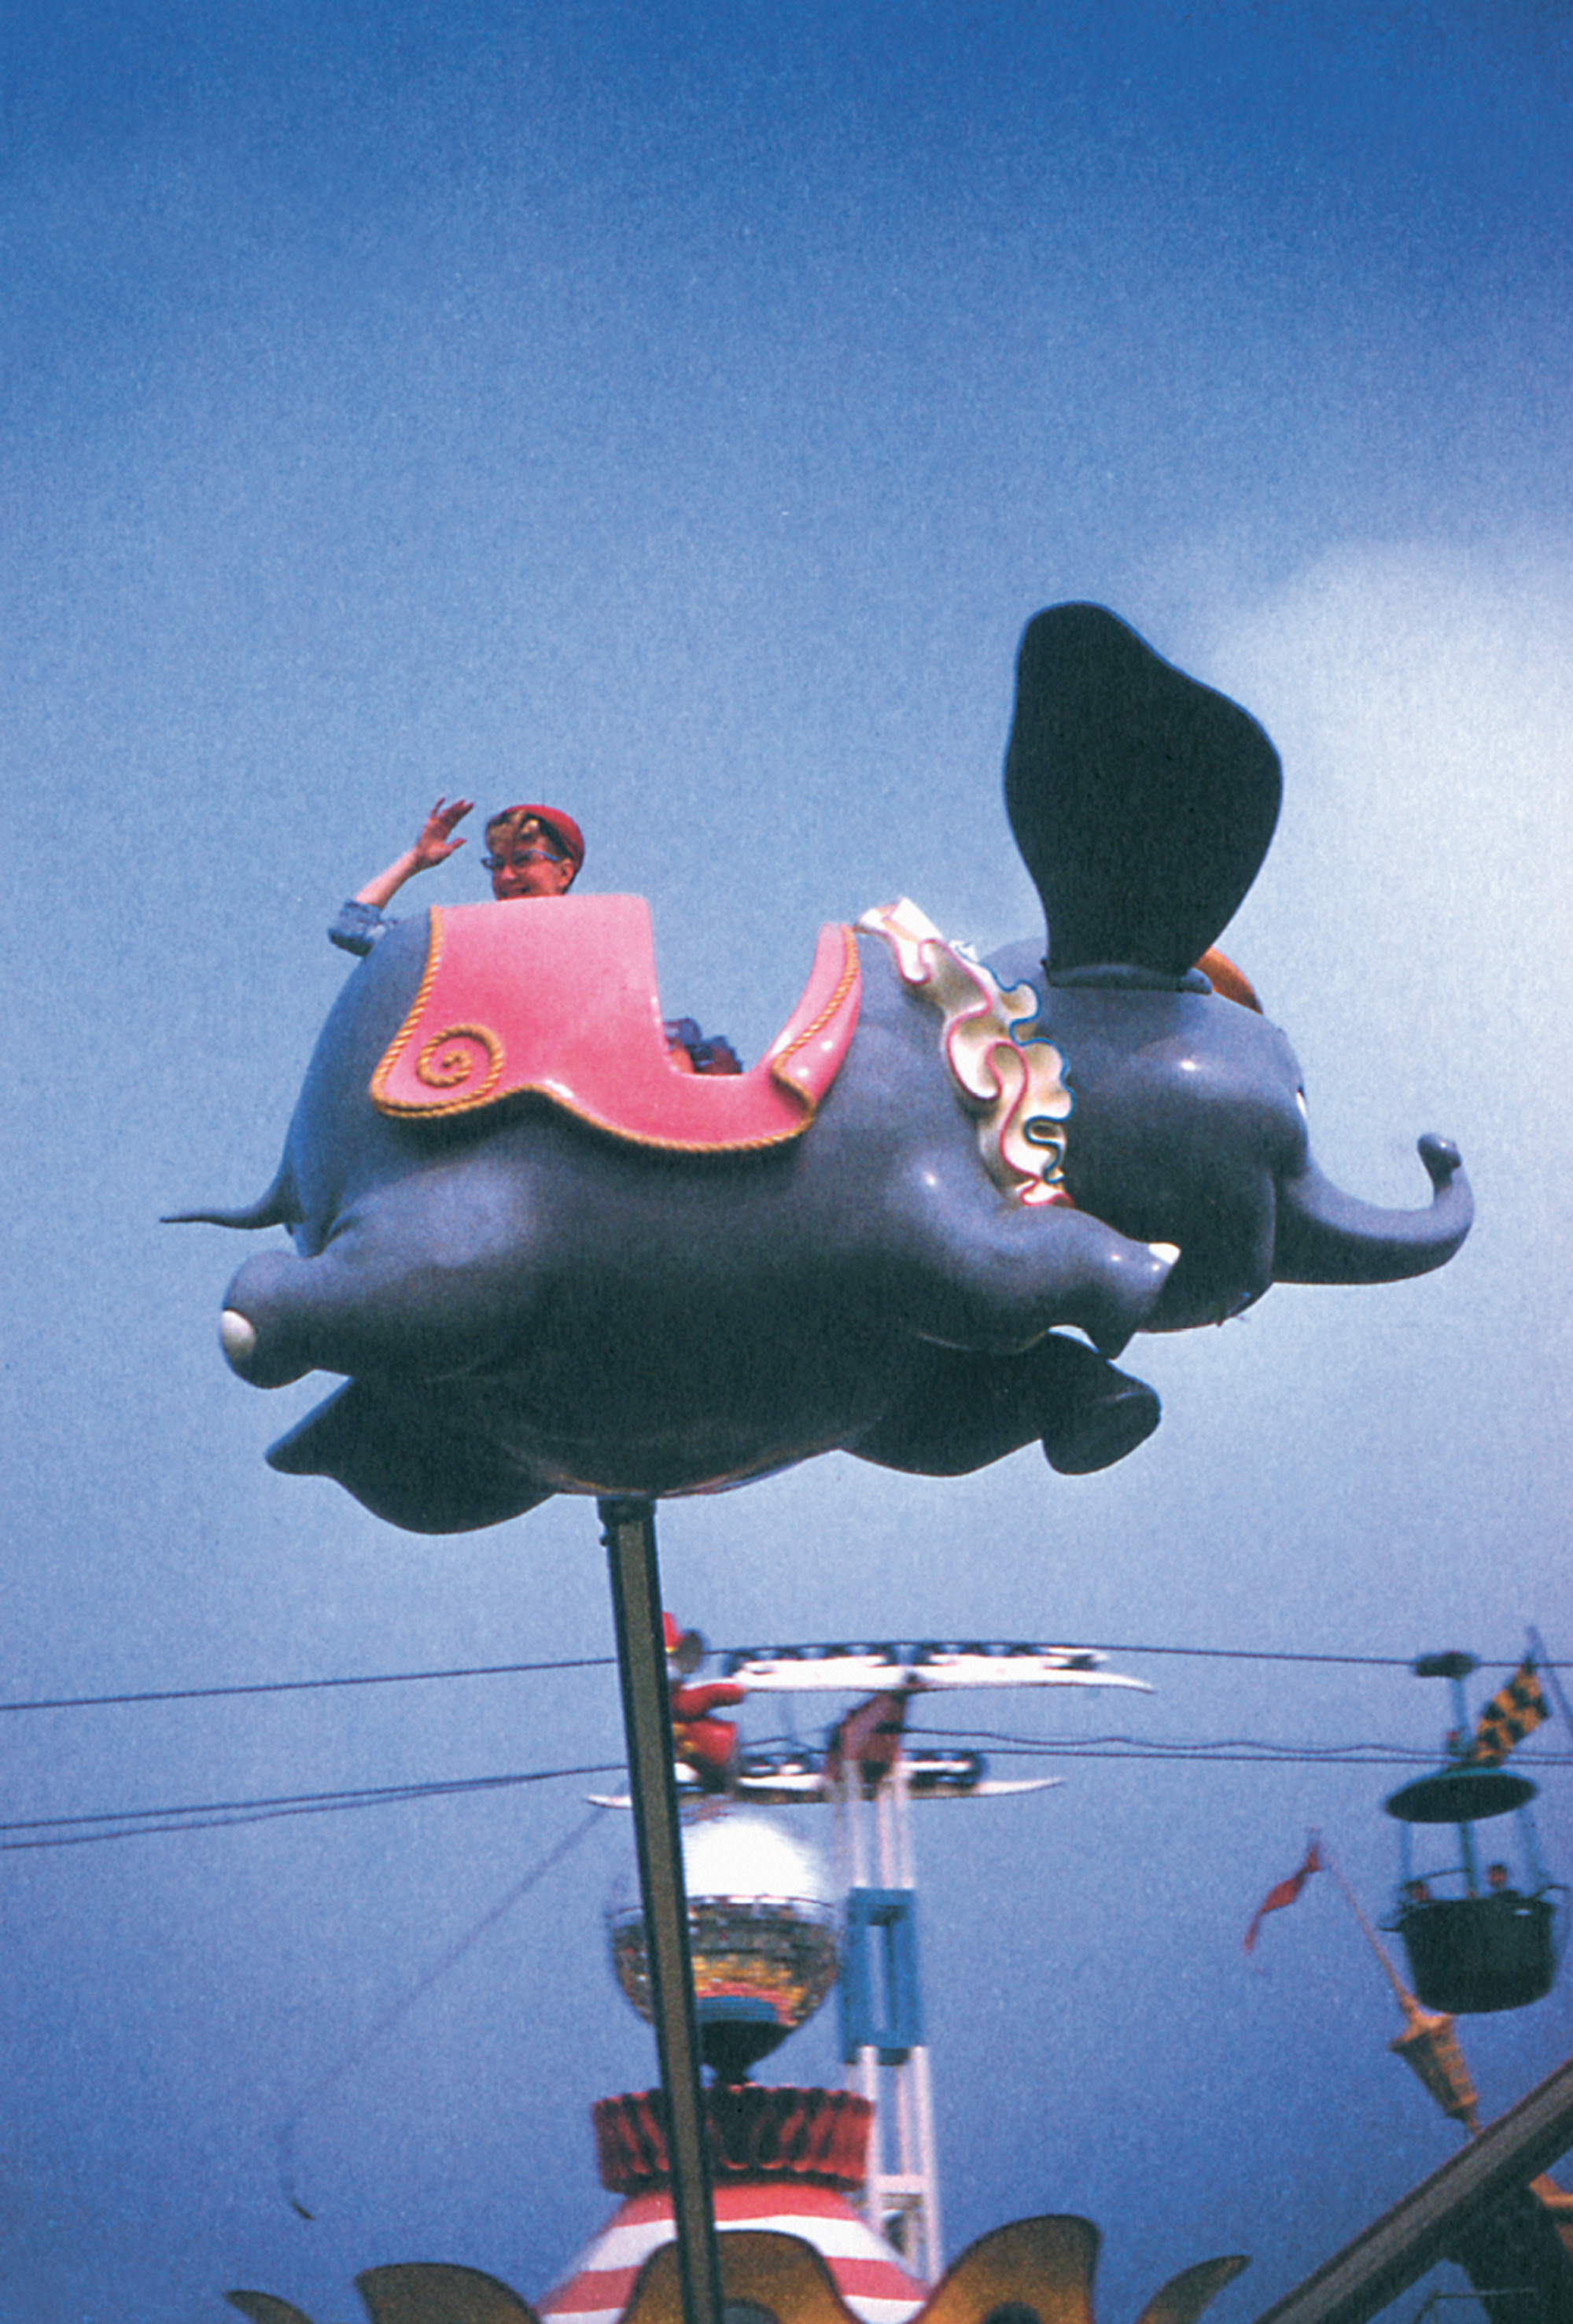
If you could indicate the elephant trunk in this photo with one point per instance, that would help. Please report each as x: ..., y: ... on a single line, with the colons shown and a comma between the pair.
x: 1325, y: 1236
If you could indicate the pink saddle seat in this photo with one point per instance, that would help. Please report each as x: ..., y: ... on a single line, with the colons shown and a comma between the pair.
x: 557, y: 996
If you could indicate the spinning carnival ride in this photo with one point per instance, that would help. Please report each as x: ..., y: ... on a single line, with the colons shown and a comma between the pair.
x: 768, y: 1933
x: 1482, y: 1943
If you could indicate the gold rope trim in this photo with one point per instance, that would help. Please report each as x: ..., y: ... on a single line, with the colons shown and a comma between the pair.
x: 431, y: 1111
x: 844, y: 983
x: 436, y: 1072
x: 402, y: 1040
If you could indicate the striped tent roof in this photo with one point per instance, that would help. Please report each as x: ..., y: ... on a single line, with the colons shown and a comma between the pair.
x: 784, y: 2160
x: 863, y: 2267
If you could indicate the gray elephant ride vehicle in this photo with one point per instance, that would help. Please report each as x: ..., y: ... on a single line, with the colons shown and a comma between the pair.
x: 919, y: 1230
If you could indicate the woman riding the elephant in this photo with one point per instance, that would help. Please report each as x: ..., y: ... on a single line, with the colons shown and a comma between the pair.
x: 532, y: 852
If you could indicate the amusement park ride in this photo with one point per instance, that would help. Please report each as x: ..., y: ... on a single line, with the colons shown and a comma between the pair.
x: 827, y: 2200
x: 1490, y: 1944
x: 867, y: 1942
x: 544, y: 1260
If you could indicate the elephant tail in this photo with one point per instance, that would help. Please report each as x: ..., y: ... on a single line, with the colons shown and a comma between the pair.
x: 279, y: 1207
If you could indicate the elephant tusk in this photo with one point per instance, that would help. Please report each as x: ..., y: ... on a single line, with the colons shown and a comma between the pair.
x: 238, y: 1339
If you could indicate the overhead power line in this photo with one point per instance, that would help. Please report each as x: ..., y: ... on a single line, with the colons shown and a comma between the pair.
x: 307, y: 1685
x: 1269, y: 1654
x: 1237, y: 1748
x: 608, y: 1662
x: 378, y: 2033
x: 1241, y: 1750
x: 206, y: 1815
x: 137, y: 1824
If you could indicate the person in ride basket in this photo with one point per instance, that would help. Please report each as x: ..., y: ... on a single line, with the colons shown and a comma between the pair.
x: 530, y: 852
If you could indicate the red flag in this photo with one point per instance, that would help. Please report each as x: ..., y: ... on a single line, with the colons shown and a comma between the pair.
x: 1285, y: 1892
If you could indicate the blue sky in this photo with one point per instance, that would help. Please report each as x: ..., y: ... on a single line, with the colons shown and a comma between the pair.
x: 677, y: 414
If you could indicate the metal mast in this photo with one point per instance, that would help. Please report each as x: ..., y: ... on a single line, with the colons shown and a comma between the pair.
x: 871, y: 1776
x: 881, y: 2011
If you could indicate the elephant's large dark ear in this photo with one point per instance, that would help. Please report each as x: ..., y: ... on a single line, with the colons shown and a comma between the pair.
x: 1143, y: 803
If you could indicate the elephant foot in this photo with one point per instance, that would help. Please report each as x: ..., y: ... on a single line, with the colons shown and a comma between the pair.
x: 1094, y: 1415
x: 414, y: 1457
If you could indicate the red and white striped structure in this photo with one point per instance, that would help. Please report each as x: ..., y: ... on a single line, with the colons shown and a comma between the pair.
x: 787, y: 2159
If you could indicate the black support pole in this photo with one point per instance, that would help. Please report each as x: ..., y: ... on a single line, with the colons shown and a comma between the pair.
x: 629, y: 1536
x: 1393, y: 2254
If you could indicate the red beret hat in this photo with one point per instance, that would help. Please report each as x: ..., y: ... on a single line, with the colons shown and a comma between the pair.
x: 561, y: 827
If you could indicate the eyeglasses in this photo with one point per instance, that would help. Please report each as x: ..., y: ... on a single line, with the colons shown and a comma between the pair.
x: 522, y: 855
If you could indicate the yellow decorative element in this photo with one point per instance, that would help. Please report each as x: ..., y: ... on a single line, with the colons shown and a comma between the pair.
x: 1013, y: 1086
x: 1043, y: 2266
x: 449, y: 1061
x: 400, y: 1041
x: 420, y: 2291
x: 1183, y: 2299
x: 785, y: 1056
x: 761, y: 2267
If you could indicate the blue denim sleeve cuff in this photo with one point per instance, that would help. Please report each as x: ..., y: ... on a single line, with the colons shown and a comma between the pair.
x: 357, y: 927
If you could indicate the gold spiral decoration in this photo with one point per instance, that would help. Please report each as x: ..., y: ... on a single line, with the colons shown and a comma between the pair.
x: 449, y: 1061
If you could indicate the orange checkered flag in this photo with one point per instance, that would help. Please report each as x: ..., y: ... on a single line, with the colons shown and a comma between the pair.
x: 1513, y: 1711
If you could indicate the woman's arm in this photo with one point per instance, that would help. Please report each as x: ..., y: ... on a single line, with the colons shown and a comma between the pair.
x: 434, y: 847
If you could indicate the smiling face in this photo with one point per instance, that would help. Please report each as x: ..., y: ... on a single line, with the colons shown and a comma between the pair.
x: 527, y: 859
